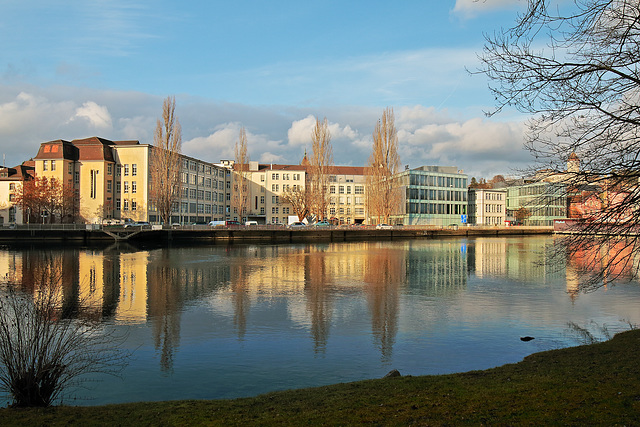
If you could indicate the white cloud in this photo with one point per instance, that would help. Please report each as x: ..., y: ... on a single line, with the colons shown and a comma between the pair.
x: 427, y: 136
x: 97, y: 115
x: 221, y: 145
x: 300, y: 131
x: 471, y: 8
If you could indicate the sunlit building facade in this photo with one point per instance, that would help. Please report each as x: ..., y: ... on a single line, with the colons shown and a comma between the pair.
x: 11, y: 179
x: 487, y: 206
x: 433, y: 195
x: 111, y: 181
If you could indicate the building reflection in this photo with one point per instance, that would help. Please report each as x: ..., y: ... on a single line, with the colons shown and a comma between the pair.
x: 384, y: 275
x: 592, y: 263
x: 312, y: 286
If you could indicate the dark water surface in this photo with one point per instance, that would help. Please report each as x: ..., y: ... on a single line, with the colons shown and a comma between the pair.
x: 212, y: 322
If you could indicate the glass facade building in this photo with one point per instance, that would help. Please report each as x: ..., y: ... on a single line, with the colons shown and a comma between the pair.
x: 542, y: 202
x: 433, y: 195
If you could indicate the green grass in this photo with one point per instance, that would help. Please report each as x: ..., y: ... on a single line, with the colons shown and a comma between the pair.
x: 598, y: 384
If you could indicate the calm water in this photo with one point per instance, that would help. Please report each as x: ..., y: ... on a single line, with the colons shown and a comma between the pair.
x: 227, y: 321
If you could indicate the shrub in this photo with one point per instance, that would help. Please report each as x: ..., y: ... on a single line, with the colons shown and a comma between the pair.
x: 45, y: 353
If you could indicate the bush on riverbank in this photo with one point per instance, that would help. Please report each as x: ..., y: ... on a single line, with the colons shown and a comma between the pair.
x: 594, y: 384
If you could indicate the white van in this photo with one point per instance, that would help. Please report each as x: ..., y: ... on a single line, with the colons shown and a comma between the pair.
x: 251, y: 223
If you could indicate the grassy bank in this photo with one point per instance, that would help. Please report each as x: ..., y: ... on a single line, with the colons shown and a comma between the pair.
x: 596, y: 384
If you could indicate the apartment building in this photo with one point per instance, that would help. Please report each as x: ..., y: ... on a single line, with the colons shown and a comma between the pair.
x: 433, y: 195
x: 487, y: 206
x: 11, y: 179
x: 111, y: 180
x: 268, y: 183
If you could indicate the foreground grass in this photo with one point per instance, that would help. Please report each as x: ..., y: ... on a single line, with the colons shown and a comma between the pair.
x: 596, y: 384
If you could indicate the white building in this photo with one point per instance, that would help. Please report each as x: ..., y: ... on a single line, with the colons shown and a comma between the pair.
x: 487, y: 206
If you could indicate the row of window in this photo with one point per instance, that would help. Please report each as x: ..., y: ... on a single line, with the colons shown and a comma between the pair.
x: 342, y: 189
x: 346, y: 211
x: 436, y: 209
x: 437, y: 181
x: 491, y: 196
x: 491, y: 208
x: 201, y: 208
x: 285, y: 176
x: 441, y: 195
x: 200, y: 180
x: 193, y: 193
x: 200, y: 167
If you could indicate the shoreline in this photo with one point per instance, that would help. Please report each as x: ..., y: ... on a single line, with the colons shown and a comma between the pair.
x: 90, y: 234
x: 589, y: 384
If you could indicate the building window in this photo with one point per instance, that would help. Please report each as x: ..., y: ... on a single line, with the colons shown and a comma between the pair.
x: 118, y: 204
x: 53, y: 165
x: 332, y: 189
x: 45, y: 165
x: 134, y: 205
x: 134, y: 186
x: 125, y: 205
x: 12, y: 186
x: 126, y: 186
x: 109, y: 185
x: 192, y: 193
x: 109, y: 169
x: 126, y: 170
x: 134, y: 169
x: 94, y: 183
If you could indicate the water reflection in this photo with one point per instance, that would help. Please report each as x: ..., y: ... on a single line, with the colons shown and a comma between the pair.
x: 384, y: 300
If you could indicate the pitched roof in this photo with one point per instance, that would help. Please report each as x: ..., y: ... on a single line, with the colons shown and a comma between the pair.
x: 17, y: 173
x: 58, y: 149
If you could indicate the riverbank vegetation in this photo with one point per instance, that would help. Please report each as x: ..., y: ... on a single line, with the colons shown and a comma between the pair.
x: 593, y: 384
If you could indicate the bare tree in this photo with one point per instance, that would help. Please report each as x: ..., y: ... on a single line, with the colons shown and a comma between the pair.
x: 573, y: 66
x: 298, y: 198
x: 383, y: 193
x: 165, y: 161
x: 321, y: 168
x: 240, y: 197
x: 44, y: 352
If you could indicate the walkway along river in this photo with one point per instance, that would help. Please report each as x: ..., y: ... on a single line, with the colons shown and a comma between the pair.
x: 89, y: 233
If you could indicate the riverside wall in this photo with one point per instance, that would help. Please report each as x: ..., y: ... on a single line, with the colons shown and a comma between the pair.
x: 205, y: 234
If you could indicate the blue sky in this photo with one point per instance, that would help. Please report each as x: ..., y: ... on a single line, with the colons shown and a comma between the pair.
x: 71, y: 69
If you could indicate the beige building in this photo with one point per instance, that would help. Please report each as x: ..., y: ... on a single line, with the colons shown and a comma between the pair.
x: 487, y: 206
x: 268, y: 182
x: 111, y: 180
x: 11, y: 179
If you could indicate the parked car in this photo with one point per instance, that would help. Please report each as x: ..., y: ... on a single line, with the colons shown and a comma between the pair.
x: 140, y: 224
x: 322, y: 224
x: 217, y: 223
x: 297, y: 225
x: 232, y: 222
x: 384, y: 227
x: 251, y: 223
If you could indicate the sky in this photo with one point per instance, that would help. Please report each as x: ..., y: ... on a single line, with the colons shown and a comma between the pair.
x: 72, y: 69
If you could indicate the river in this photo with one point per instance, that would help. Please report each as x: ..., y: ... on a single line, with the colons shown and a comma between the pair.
x: 225, y: 321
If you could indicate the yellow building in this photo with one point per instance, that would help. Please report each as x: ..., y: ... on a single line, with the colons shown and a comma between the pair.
x: 111, y: 181
x: 11, y: 179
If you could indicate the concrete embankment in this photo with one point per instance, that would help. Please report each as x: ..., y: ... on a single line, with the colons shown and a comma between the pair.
x: 203, y: 234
